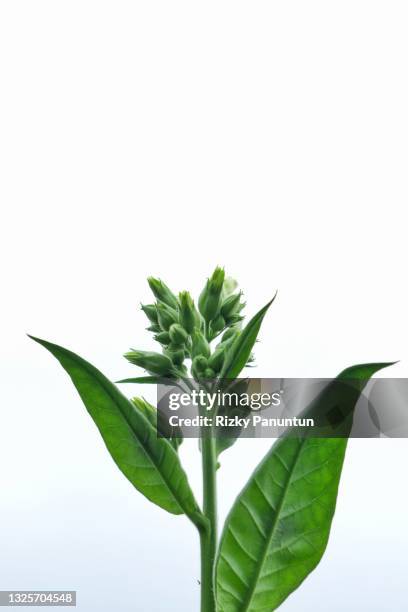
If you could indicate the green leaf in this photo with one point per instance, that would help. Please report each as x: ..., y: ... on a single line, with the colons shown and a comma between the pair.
x: 173, y: 434
x: 146, y: 380
x: 226, y: 435
x: 236, y: 359
x: 278, y: 528
x: 150, y: 463
x: 240, y: 350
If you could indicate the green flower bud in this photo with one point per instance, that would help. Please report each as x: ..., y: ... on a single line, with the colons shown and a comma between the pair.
x: 150, y: 311
x: 178, y: 334
x: 230, y: 305
x: 177, y: 356
x: 209, y: 300
x: 225, y: 344
x: 209, y: 373
x: 163, y: 338
x: 162, y: 292
x: 167, y: 316
x: 200, y: 345
x: 200, y: 363
x: 216, y: 360
x: 155, y: 328
x: 189, y: 317
x: 234, y: 319
x: 154, y: 363
x: 217, y: 325
x: 229, y: 286
x: 199, y: 366
x: 230, y: 333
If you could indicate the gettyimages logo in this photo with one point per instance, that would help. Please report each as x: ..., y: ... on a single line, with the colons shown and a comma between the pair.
x: 205, y: 400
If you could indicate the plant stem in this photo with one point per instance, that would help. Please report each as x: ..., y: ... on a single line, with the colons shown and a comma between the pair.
x: 208, y: 536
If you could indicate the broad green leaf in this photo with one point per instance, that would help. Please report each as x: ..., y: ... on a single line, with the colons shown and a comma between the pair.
x: 278, y: 528
x: 173, y: 434
x: 240, y: 350
x: 150, y: 463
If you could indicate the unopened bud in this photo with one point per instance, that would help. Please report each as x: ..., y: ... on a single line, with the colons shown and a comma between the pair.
x: 209, y: 373
x: 216, y: 360
x: 229, y: 286
x: 162, y: 292
x: 176, y: 355
x: 200, y: 345
x: 155, y: 328
x: 155, y: 363
x: 226, y: 344
x: 234, y: 319
x: 178, y: 334
x: 167, y: 316
x: 217, y: 325
x: 150, y: 311
x: 199, y: 366
x: 209, y: 300
x: 230, y: 305
x: 189, y: 317
x: 230, y: 333
x: 163, y: 338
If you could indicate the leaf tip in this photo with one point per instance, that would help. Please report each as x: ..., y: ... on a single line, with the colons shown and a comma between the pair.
x: 271, y: 301
x: 39, y: 340
x: 365, y: 370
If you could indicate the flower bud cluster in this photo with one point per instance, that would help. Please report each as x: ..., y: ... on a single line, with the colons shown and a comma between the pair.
x: 186, y: 332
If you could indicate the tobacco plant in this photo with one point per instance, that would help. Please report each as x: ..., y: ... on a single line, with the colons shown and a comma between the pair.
x: 278, y: 527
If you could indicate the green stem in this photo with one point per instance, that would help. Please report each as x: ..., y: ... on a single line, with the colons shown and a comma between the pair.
x: 208, y: 536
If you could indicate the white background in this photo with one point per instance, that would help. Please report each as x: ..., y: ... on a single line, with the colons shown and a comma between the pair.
x: 164, y: 138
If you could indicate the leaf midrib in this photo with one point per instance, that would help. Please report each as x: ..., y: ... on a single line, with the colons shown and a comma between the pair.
x: 250, y: 595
